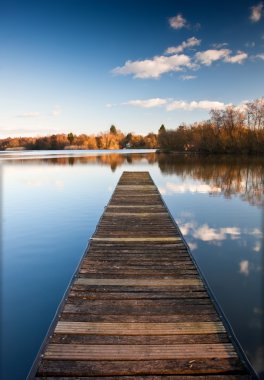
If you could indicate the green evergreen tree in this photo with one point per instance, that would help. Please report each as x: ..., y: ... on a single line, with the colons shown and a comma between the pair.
x: 162, y: 128
x: 70, y: 137
x: 113, y: 130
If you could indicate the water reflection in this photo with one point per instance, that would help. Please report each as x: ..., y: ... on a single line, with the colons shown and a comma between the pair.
x: 51, y: 205
x: 215, y: 236
x: 113, y: 160
x: 242, y: 176
x: 227, y: 175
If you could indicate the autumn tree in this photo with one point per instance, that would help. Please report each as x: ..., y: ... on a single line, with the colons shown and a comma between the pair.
x: 151, y: 141
x: 91, y: 142
x: 255, y: 113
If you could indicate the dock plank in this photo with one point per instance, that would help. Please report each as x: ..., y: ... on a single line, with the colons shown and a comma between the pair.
x: 75, y: 368
x: 137, y: 307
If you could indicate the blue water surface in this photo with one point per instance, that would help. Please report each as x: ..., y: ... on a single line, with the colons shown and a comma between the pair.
x: 51, y: 203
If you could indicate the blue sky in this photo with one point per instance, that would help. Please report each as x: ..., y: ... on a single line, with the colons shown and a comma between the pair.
x: 82, y: 65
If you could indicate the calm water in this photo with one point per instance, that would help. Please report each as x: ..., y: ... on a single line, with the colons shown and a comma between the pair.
x: 51, y: 204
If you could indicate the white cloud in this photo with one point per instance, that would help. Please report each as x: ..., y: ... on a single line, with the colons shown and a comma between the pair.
x: 242, y: 107
x: 261, y: 56
x: 192, y: 230
x: 238, y: 58
x: 191, y: 42
x: 177, y: 22
x: 155, y: 67
x: 192, y: 246
x: 171, y: 104
x: 162, y: 190
x: 244, y: 267
x: 177, y: 61
x: 187, y: 227
x: 219, y: 45
x: 56, y: 111
x: 255, y: 232
x: 234, y: 232
x: 257, y: 247
x: 29, y: 114
x: 188, y: 77
x: 208, y: 56
x: 206, y: 233
x: 147, y: 103
x: 194, y: 105
x: 191, y: 188
x: 209, y: 234
x: 256, y: 12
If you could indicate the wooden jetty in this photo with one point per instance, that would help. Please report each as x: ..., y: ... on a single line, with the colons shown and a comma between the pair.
x: 137, y: 307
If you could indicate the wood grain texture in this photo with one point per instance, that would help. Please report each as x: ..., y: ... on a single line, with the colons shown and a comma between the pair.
x: 75, y: 368
x: 139, y: 352
x: 138, y: 282
x: 137, y: 308
x: 122, y: 328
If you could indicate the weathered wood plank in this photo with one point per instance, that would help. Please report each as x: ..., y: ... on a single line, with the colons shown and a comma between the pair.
x: 153, y: 276
x: 177, y: 273
x: 139, y: 367
x: 130, y: 256
x: 143, y: 303
x: 136, y: 264
x: 104, y: 295
x: 137, y: 308
x: 133, y: 318
x: 138, y: 282
x: 175, y: 246
x: 139, y: 339
x: 139, y: 328
x: 152, y: 290
x: 134, y: 308
x: 139, y: 352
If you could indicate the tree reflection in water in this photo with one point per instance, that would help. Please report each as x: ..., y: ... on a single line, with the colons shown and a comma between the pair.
x: 234, y: 175
x: 242, y: 176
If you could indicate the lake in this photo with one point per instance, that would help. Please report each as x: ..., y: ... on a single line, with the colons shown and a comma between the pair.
x: 51, y: 202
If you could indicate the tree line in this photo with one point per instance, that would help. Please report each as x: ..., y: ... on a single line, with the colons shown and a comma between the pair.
x: 114, y: 139
x: 230, y: 130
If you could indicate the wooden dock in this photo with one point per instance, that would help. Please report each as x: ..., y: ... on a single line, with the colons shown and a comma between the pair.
x: 137, y: 307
